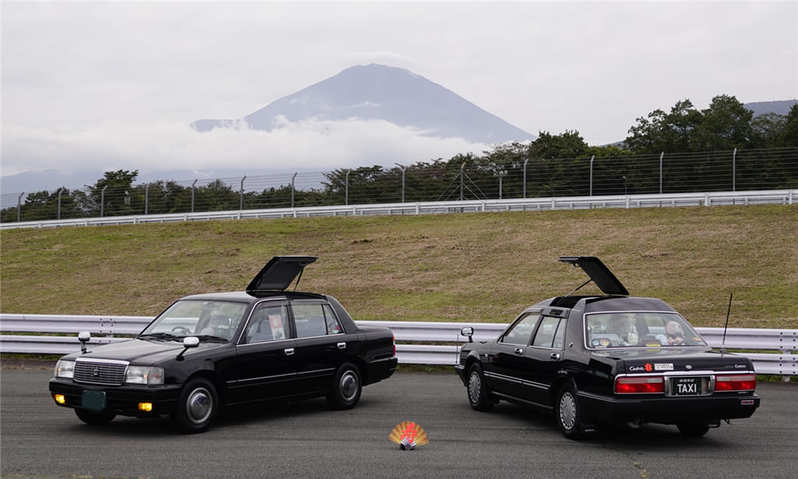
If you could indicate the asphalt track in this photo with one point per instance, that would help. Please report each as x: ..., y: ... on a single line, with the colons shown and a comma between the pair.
x: 306, y: 439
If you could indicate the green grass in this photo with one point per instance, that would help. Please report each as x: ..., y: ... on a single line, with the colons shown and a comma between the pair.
x: 457, y: 267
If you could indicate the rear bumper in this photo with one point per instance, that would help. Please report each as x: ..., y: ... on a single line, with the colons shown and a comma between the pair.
x: 123, y: 400
x: 381, y: 369
x: 667, y: 410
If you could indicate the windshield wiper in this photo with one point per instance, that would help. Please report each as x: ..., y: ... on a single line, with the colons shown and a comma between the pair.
x: 167, y: 336
x: 209, y: 337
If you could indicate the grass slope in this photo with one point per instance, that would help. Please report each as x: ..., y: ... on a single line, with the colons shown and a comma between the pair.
x: 466, y: 267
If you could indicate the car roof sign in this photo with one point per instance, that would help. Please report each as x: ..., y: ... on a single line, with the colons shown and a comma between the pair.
x: 279, y: 272
x: 598, y: 272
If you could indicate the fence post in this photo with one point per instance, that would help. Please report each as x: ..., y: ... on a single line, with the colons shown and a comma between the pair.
x: 661, y: 155
x: 525, y: 162
x: 346, y: 187
x: 146, y: 199
x: 734, y: 170
x: 58, y: 214
x: 19, y: 207
x: 292, y: 192
x: 192, y: 194
x: 241, y: 194
x: 102, y: 201
x: 403, y: 180
x: 590, y: 193
x: 501, y: 175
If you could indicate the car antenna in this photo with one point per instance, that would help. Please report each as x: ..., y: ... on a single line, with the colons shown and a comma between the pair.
x: 726, y: 326
x: 579, y: 287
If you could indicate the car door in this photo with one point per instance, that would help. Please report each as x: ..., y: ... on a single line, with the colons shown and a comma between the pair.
x: 506, y: 368
x: 265, y: 365
x: 321, y: 345
x: 542, y: 358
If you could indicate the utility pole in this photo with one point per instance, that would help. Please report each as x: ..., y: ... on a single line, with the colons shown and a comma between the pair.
x: 102, y: 201
x: 292, y: 190
x: 19, y: 207
x: 192, y: 194
x: 401, y: 167
x: 241, y: 194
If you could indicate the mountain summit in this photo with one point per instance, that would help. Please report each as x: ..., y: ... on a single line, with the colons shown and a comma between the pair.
x: 379, y: 92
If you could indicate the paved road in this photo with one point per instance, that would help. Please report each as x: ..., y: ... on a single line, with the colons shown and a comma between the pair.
x: 41, y: 440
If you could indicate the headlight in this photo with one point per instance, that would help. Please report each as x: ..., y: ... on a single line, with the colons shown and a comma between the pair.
x: 144, y: 375
x: 64, y: 368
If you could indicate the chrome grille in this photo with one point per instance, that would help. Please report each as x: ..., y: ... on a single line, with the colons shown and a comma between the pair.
x: 100, y: 371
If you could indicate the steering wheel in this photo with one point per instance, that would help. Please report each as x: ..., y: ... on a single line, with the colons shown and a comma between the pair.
x: 180, y: 330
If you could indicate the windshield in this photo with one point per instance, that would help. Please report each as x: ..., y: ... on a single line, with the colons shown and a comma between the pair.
x: 205, y: 319
x: 635, y: 329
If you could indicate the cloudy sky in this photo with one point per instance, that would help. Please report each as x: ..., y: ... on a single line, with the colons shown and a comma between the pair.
x: 114, y: 85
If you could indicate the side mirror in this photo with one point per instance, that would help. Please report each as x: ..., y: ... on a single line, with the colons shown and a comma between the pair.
x: 188, y: 343
x: 468, y: 332
x: 83, y: 337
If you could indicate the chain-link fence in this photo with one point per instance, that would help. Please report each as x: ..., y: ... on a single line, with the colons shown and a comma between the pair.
x: 459, y: 178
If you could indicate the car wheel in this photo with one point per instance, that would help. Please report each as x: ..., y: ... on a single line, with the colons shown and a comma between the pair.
x: 196, y: 406
x: 345, y: 392
x: 478, y: 393
x: 692, y: 429
x: 94, y: 418
x: 568, y: 413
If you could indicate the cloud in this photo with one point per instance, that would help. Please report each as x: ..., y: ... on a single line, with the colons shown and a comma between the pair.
x: 307, y: 145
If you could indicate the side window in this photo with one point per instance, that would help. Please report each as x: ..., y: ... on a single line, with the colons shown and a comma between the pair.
x: 333, y: 326
x: 269, y: 323
x: 559, y: 338
x: 309, y: 320
x: 522, y: 330
x: 545, y: 335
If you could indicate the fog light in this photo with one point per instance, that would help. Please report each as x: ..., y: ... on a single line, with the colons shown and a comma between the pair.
x: 59, y: 398
x: 145, y: 406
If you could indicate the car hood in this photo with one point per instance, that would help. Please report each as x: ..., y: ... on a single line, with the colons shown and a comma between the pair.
x: 143, y: 351
x: 676, y: 359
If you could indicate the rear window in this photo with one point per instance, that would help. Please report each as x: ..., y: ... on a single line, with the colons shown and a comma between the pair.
x: 639, y: 329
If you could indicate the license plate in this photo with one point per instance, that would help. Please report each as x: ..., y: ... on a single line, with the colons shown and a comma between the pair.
x: 686, y: 386
x: 94, y: 400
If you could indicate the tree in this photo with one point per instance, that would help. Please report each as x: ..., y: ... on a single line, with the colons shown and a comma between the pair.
x: 725, y: 125
x: 661, y: 131
x: 118, y: 186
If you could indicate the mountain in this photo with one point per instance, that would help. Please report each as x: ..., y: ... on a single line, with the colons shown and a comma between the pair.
x: 780, y: 107
x: 379, y: 92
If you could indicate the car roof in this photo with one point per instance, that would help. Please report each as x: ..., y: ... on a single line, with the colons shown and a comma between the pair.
x: 243, y: 296
x: 605, y: 303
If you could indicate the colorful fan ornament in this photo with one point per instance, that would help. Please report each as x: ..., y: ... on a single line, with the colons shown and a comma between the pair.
x: 408, y: 435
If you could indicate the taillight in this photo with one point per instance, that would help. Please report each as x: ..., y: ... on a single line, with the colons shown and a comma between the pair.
x: 393, y: 340
x: 735, y: 382
x: 639, y: 385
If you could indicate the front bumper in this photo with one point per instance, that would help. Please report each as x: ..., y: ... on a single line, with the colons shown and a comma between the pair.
x: 667, y: 410
x: 460, y: 370
x: 123, y: 400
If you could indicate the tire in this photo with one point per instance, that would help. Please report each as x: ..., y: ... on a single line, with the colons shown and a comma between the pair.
x: 476, y: 389
x: 94, y: 418
x: 197, y: 406
x: 568, y: 413
x: 345, y: 392
x: 693, y: 429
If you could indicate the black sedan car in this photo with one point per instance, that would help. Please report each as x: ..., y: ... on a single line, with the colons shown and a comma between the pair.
x: 599, y: 360
x: 221, y: 349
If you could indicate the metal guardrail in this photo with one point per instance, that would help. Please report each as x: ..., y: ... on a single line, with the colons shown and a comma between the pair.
x: 784, y: 197
x: 782, y: 360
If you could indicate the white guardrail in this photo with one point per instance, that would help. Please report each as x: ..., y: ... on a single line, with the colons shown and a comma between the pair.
x: 781, y: 344
x: 783, y: 197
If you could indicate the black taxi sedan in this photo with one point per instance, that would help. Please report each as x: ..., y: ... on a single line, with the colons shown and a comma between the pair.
x: 614, y: 358
x: 222, y: 349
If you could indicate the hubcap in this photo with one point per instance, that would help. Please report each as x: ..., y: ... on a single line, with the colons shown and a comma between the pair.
x: 474, y: 387
x: 567, y: 410
x: 348, y: 384
x: 199, y: 405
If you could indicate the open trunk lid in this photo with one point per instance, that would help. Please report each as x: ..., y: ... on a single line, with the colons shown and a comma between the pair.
x: 598, y: 272
x: 279, y: 273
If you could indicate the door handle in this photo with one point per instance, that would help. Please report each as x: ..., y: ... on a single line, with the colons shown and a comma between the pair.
x: 341, y: 345
x: 289, y: 351
x: 555, y: 356
x: 519, y: 350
